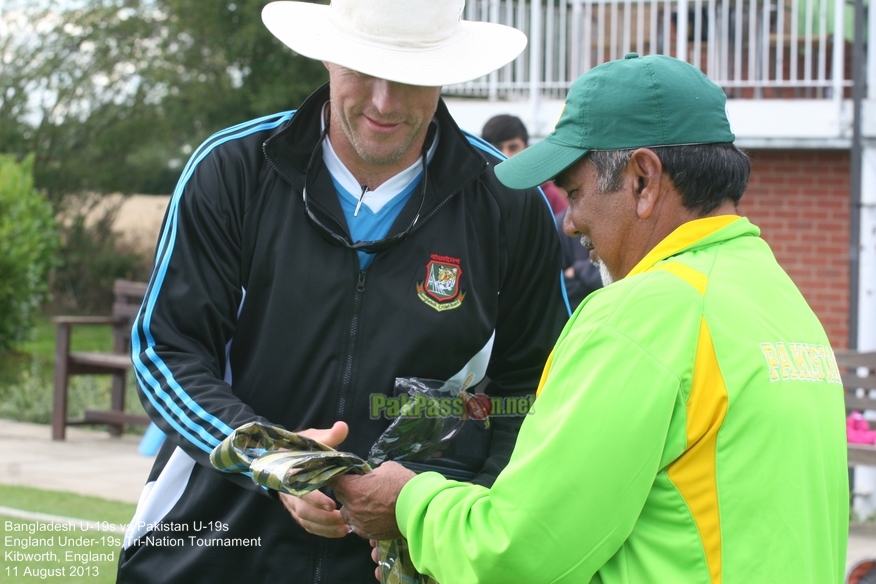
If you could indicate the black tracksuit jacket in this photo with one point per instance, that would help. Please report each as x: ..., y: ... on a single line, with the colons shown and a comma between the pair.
x: 253, y: 315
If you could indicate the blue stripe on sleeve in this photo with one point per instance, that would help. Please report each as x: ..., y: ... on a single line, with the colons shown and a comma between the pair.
x: 163, y: 402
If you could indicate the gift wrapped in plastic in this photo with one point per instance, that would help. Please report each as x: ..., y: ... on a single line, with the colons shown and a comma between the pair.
x: 417, y: 433
x: 424, y: 424
x: 287, y: 462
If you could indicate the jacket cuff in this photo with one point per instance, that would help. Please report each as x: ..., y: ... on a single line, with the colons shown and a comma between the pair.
x: 415, y: 497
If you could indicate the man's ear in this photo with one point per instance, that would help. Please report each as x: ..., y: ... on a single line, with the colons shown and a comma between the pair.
x: 648, y: 173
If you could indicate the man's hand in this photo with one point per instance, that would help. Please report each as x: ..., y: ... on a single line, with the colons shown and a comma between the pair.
x: 369, y: 500
x: 316, y: 512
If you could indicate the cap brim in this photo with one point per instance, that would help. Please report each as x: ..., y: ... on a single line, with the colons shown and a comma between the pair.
x: 537, y: 164
x: 478, y: 48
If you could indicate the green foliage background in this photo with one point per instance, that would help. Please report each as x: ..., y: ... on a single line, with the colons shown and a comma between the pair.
x: 92, y: 256
x: 127, y: 88
x: 113, y: 96
x: 28, y: 241
x: 100, y: 97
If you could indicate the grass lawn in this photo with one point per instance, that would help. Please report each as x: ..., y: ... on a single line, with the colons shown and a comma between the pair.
x: 85, y: 338
x: 65, y: 504
x: 70, y: 554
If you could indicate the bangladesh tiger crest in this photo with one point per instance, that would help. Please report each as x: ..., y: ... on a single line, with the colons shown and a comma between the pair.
x: 440, y: 289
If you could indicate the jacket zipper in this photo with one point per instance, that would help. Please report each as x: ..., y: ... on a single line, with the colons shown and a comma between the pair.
x: 347, y: 379
x: 317, y: 571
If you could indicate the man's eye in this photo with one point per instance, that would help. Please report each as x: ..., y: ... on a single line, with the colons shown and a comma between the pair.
x: 572, y: 194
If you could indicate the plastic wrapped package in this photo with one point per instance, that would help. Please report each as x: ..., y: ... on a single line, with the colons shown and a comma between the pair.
x: 396, y: 566
x: 419, y: 430
x: 287, y: 462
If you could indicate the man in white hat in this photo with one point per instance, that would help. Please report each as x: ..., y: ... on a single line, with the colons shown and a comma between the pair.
x: 310, y: 258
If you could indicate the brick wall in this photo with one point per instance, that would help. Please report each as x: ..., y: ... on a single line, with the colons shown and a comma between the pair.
x: 800, y: 200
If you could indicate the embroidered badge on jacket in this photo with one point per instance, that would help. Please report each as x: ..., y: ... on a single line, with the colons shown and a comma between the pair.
x: 440, y: 289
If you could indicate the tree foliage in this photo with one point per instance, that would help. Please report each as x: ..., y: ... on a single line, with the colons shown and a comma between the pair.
x: 112, y: 95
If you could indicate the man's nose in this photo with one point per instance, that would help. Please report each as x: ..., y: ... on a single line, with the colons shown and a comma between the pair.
x: 568, y: 228
x: 385, y: 95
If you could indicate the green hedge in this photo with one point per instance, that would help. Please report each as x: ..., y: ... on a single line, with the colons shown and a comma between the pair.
x: 28, y: 246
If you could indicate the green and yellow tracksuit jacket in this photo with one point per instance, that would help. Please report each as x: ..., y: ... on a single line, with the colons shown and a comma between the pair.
x: 689, y: 428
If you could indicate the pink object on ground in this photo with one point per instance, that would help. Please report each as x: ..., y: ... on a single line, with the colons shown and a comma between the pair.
x: 858, y: 429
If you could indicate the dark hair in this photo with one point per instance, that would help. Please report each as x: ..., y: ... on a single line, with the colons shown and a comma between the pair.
x: 504, y: 127
x: 705, y: 175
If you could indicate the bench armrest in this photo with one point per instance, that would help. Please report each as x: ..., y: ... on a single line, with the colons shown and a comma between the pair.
x: 92, y: 320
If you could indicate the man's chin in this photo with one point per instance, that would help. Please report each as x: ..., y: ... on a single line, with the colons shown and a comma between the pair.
x: 604, y: 274
x: 385, y: 152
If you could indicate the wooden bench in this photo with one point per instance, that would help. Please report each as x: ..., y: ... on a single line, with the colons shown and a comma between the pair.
x: 128, y: 297
x: 858, y: 396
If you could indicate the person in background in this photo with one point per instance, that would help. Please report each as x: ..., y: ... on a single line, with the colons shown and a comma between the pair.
x: 690, y: 424
x: 507, y: 133
x: 580, y: 275
x: 310, y: 258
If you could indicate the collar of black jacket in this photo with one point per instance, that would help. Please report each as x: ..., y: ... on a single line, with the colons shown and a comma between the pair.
x: 455, y: 164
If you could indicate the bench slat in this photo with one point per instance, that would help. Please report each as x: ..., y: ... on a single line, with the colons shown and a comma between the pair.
x: 130, y: 288
x: 92, y: 320
x: 113, y: 417
x: 854, y: 382
x: 860, y: 403
x: 108, y: 360
x: 855, y: 359
x: 862, y: 454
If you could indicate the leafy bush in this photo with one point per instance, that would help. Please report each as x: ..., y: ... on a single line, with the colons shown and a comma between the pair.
x: 28, y: 242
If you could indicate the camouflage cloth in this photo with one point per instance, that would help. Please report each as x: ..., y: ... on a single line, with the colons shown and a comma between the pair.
x: 282, y: 460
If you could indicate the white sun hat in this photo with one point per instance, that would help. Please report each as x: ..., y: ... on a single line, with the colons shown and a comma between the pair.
x: 417, y: 42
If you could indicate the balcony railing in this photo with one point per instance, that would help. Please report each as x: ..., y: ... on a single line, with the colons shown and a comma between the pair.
x: 751, y: 48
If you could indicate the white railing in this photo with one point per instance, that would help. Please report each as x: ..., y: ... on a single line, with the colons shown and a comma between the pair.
x: 752, y: 48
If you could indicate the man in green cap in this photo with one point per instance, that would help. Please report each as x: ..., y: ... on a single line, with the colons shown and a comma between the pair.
x: 690, y: 422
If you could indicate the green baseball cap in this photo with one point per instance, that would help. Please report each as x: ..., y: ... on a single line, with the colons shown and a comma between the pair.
x: 634, y: 102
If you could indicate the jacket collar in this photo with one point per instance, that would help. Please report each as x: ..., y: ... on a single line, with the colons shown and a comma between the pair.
x: 696, y: 234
